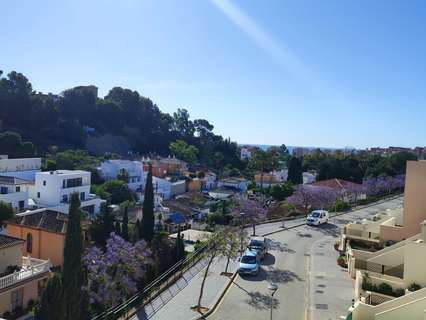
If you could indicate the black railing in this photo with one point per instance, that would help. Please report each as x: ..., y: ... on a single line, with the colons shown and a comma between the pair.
x: 130, y: 306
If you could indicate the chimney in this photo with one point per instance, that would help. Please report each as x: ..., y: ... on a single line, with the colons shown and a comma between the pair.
x: 423, y: 230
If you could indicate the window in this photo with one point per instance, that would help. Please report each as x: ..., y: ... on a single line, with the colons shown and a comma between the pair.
x: 65, y: 198
x: 29, y: 243
x: 63, y: 184
x: 21, y: 204
x: 44, y: 182
x: 82, y: 196
x: 17, y: 298
x: 18, y: 189
x: 76, y: 182
x: 38, y: 194
x: 3, y: 190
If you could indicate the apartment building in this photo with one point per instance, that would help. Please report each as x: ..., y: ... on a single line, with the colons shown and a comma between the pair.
x: 53, y: 190
x: 20, y: 277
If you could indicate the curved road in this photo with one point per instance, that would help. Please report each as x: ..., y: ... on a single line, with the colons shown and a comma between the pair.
x: 302, y: 262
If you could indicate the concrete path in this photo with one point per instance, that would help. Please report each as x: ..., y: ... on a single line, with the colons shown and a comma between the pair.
x: 176, y: 302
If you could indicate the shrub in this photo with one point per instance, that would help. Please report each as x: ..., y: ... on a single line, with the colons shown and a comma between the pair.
x: 385, y: 289
x: 341, y: 261
x: 7, y: 315
x: 399, y: 292
x: 341, y: 205
x: 414, y: 287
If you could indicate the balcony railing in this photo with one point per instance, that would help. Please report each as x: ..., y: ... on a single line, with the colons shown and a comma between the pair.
x: 30, y: 268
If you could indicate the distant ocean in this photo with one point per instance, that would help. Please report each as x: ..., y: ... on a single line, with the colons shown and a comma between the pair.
x: 291, y: 148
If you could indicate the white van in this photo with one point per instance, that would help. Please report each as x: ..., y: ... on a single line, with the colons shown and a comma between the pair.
x: 317, y: 217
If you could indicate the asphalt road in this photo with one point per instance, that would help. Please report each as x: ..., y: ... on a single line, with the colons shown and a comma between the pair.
x: 288, y: 264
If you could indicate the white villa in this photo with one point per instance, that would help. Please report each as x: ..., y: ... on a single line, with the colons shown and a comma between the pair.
x: 53, y: 190
x: 14, y: 191
x: 110, y: 169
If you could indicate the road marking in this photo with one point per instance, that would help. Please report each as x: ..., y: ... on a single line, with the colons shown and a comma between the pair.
x: 307, y: 287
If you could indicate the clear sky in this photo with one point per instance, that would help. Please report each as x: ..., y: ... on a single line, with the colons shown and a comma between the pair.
x: 312, y: 73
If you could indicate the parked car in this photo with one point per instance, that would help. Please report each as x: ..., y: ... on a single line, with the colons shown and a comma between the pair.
x: 317, y: 217
x: 259, y: 244
x: 249, y: 263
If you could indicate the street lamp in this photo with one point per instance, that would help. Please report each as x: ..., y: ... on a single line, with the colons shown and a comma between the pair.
x: 273, y: 288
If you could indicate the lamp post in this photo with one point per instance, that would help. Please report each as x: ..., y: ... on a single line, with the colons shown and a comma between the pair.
x: 273, y: 288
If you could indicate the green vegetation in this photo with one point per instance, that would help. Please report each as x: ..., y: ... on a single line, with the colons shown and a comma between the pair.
x: 147, y: 225
x: 121, y: 121
x: 73, y: 276
x: 12, y: 145
x: 101, y: 227
x: 51, y: 306
x: 114, y: 191
x: 281, y: 191
x: 356, y: 167
x: 184, y: 151
x: 295, y: 171
x: 6, y: 213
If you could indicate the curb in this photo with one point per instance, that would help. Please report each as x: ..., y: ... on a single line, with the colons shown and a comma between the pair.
x: 337, y: 214
x: 218, y: 300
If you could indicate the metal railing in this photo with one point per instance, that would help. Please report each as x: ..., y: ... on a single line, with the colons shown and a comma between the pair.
x: 130, y: 306
x: 30, y: 268
x: 375, y: 298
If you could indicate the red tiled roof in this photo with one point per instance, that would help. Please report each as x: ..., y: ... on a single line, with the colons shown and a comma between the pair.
x: 336, y: 184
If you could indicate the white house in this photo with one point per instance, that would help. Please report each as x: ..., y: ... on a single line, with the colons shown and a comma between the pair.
x: 23, y: 168
x: 53, y: 190
x: 240, y: 184
x: 210, y: 180
x: 308, y: 177
x: 14, y: 191
x: 110, y: 169
x: 167, y: 189
x: 245, y: 153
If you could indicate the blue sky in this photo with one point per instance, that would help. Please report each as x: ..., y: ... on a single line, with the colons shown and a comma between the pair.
x: 313, y: 73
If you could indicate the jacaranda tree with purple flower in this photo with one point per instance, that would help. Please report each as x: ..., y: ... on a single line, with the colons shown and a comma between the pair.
x: 309, y: 197
x: 383, y: 185
x: 114, y: 274
x: 252, y: 211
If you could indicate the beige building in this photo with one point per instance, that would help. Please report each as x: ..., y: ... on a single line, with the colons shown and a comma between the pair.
x: 397, y: 225
x: 387, y: 256
x: 391, y: 283
x: 20, y: 277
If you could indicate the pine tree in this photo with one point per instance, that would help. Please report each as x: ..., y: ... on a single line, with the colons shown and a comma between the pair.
x: 51, y: 305
x: 73, y: 272
x: 147, y: 227
x: 125, y: 223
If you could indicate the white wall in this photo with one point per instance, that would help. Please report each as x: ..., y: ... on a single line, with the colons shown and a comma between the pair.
x: 110, y: 169
x: 24, y: 168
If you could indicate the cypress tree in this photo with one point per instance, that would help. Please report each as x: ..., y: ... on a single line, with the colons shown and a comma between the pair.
x: 51, y: 305
x: 73, y: 272
x: 179, y: 247
x: 295, y: 171
x: 117, y: 228
x: 102, y: 226
x: 125, y: 223
x: 147, y: 226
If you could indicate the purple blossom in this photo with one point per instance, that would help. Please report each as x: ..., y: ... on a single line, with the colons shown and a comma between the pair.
x: 380, y: 185
x: 310, y: 197
x: 253, y: 211
x: 113, y: 274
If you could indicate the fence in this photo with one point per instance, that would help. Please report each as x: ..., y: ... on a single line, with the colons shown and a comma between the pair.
x: 130, y: 306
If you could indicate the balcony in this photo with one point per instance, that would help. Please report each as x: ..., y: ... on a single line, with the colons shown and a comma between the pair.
x: 31, y: 268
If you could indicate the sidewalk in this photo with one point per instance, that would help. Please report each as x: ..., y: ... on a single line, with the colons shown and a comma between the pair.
x: 176, y: 302
x: 331, y: 290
